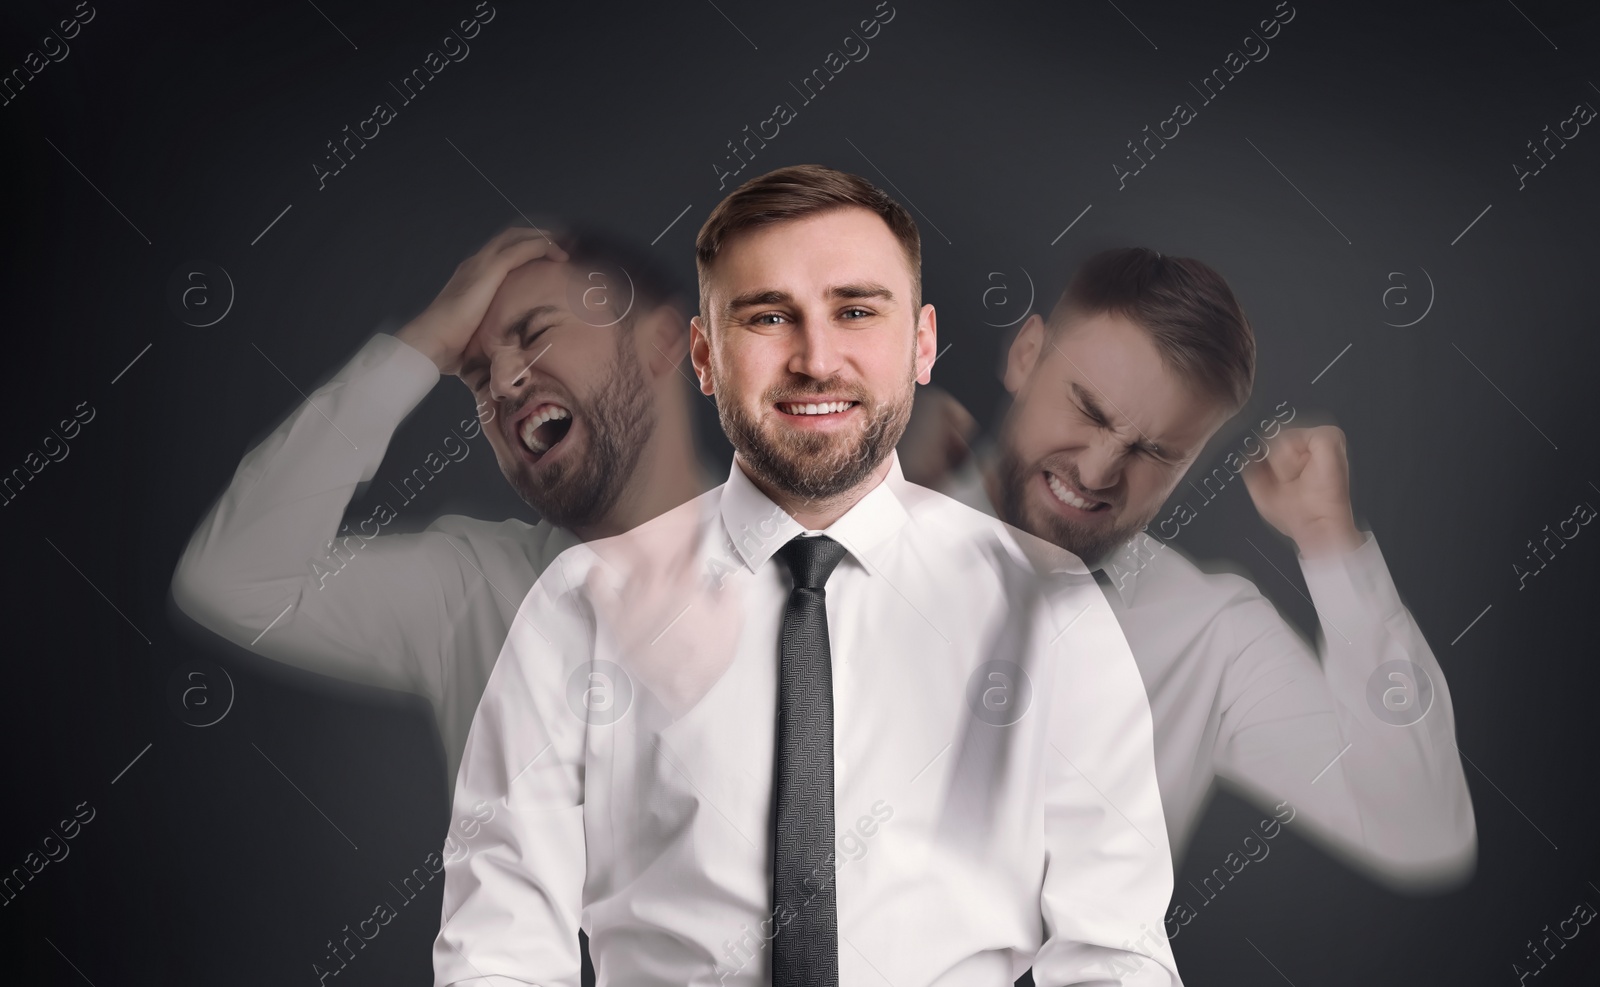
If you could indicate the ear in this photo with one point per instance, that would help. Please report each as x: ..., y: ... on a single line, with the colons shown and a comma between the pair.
x: 927, y: 344
x: 1025, y: 352
x: 662, y: 339
x: 700, y: 354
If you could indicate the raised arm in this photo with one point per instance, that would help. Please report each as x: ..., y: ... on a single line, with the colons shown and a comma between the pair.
x: 269, y: 568
x: 1363, y: 746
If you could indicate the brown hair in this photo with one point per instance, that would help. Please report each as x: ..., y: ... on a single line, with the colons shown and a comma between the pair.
x: 793, y: 193
x: 1186, y: 307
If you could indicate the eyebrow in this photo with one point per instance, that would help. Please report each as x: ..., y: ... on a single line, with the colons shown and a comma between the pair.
x: 513, y: 328
x: 760, y: 296
x: 861, y: 289
x: 516, y: 326
x: 848, y: 291
x: 1095, y: 412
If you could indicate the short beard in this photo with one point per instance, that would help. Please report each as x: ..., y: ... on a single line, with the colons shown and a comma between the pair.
x: 580, y: 492
x: 815, y: 467
x: 1091, y: 545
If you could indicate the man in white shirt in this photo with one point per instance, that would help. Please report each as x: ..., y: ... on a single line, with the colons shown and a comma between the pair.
x: 819, y: 726
x: 1116, y: 394
x: 572, y: 357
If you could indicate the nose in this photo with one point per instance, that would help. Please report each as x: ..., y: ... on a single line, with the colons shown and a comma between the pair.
x: 1100, y: 464
x: 509, y: 373
x: 815, y: 353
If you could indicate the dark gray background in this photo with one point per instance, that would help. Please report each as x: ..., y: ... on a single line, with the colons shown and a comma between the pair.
x: 1000, y: 123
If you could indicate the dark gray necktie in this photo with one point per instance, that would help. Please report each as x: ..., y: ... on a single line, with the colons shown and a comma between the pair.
x: 805, y: 949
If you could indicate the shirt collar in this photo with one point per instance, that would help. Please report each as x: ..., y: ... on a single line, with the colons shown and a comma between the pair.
x: 758, y: 527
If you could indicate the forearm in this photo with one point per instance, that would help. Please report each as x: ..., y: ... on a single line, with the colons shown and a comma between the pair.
x: 1394, y: 713
x: 259, y: 549
x: 1362, y: 743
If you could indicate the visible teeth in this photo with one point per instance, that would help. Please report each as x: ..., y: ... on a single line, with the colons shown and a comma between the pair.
x: 549, y: 412
x: 1066, y: 496
x: 828, y: 408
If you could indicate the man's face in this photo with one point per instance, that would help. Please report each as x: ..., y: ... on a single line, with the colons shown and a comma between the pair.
x: 814, y: 349
x: 1100, y: 434
x: 571, y: 405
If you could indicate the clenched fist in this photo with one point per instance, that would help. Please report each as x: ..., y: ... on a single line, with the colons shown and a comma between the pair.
x: 1302, y: 488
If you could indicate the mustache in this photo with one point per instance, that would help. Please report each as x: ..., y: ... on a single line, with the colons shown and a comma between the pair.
x: 815, y: 388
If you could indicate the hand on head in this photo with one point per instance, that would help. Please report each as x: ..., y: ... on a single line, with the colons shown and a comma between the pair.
x: 446, y: 326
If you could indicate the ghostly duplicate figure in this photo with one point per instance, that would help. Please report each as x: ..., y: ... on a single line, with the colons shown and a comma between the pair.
x: 580, y: 396
x: 820, y: 725
x: 1116, y: 394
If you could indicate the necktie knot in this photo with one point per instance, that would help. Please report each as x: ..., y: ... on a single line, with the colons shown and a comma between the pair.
x: 811, y: 560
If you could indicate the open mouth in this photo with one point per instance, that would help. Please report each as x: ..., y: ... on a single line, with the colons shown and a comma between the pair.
x: 815, y: 409
x: 544, y: 429
x: 1071, y: 498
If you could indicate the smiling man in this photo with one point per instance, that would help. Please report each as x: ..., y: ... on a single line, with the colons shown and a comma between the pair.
x: 819, y: 725
x: 1140, y: 363
x: 572, y: 355
x: 804, y: 425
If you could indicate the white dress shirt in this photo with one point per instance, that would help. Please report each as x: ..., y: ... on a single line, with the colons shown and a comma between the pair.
x: 423, y: 613
x: 626, y: 743
x: 1238, y: 694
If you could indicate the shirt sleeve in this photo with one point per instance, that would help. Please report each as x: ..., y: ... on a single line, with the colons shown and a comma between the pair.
x: 1362, y: 745
x: 263, y: 569
x: 513, y: 888
x: 1108, y: 873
